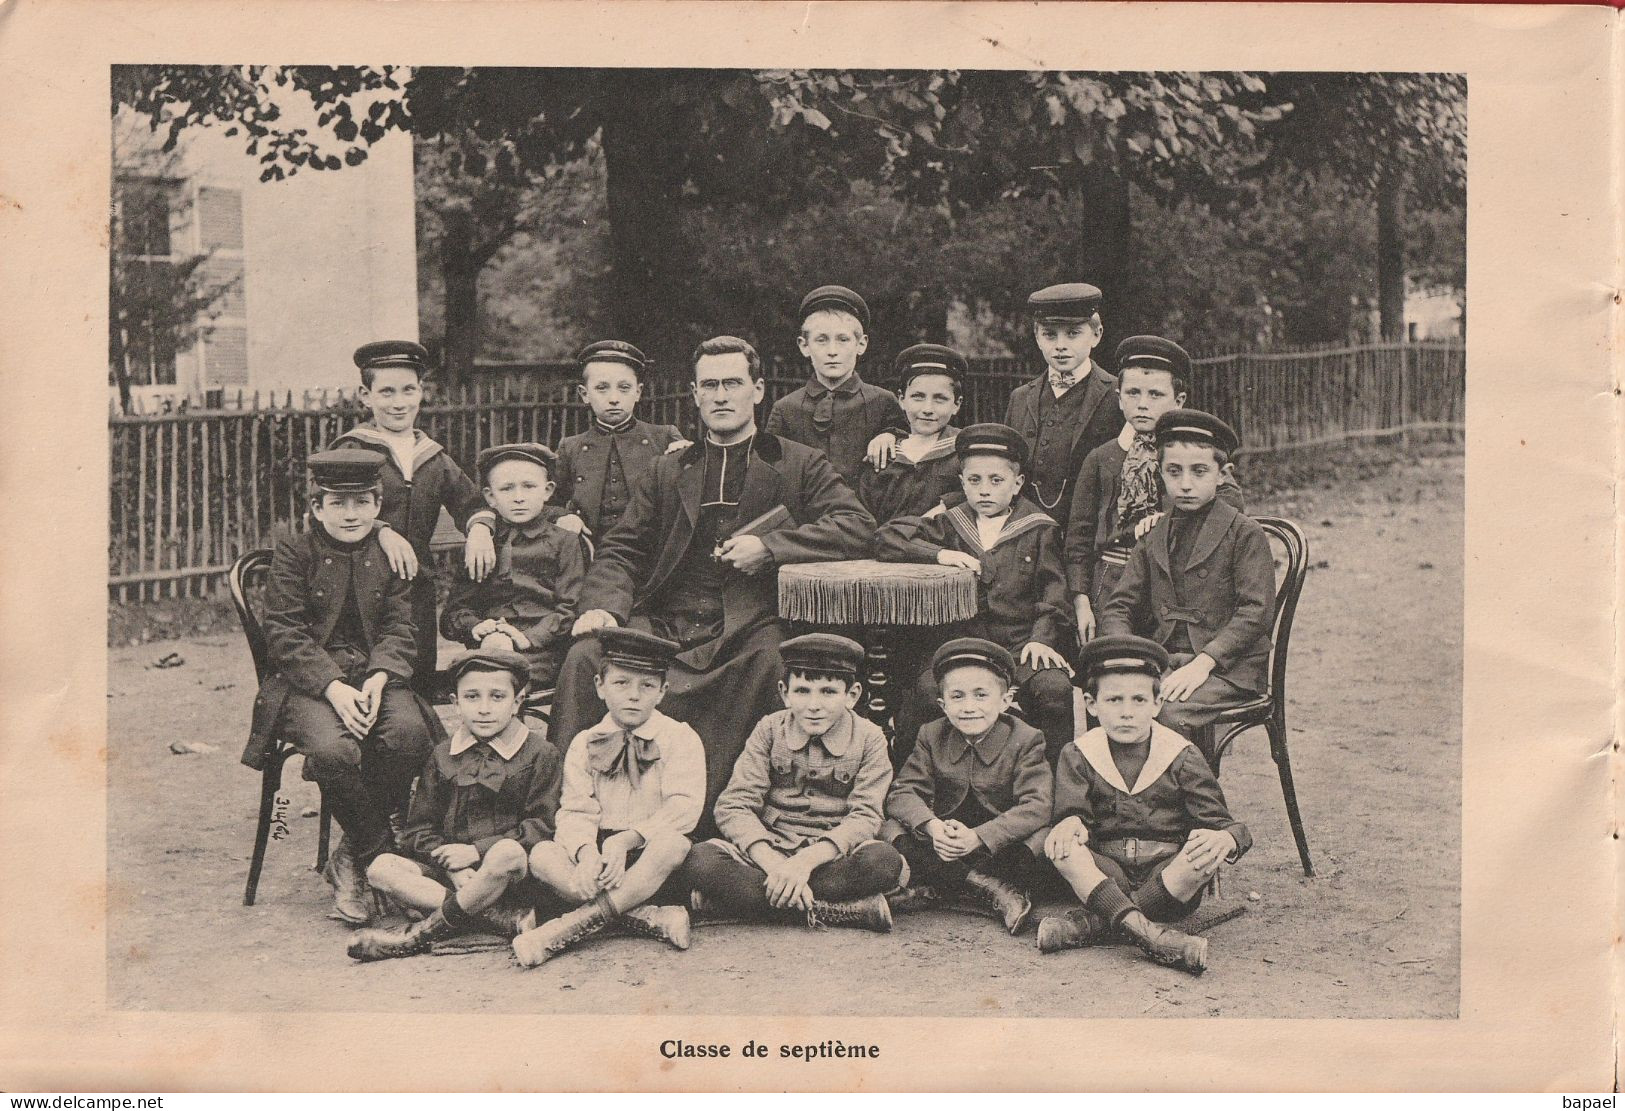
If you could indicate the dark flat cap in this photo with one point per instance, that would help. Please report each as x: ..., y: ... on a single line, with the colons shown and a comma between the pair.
x: 929, y: 358
x: 1066, y: 303
x: 834, y: 297
x: 822, y: 652
x: 1122, y: 654
x: 613, y: 351
x: 345, y: 470
x: 1193, y: 424
x: 491, y: 659
x: 973, y: 652
x: 637, y: 650
x: 530, y: 452
x: 392, y: 352
x: 1153, y: 353
x: 993, y: 439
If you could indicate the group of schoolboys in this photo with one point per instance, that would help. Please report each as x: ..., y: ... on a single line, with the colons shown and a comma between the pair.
x: 1101, y: 506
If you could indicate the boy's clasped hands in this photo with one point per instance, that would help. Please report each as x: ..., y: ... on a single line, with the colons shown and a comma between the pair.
x: 358, y: 709
x: 951, y: 838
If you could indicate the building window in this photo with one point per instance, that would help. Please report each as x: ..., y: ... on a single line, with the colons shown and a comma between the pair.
x: 146, y: 281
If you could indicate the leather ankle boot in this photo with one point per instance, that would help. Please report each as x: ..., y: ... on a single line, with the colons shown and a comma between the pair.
x: 1012, y: 904
x: 352, y: 899
x: 1075, y: 929
x: 556, y: 935
x: 668, y: 924
x: 871, y: 913
x: 508, y: 917
x: 377, y: 945
x: 1165, y: 945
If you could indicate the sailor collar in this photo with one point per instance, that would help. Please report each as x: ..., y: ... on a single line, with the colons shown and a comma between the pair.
x: 1166, y: 747
x: 1024, y: 518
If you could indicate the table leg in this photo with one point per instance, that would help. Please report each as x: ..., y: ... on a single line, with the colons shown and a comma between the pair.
x: 878, y: 682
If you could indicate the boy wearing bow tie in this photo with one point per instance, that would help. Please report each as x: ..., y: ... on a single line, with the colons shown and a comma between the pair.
x: 485, y: 796
x: 634, y: 786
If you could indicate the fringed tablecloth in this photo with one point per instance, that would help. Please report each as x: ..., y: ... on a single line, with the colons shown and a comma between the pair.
x: 868, y: 592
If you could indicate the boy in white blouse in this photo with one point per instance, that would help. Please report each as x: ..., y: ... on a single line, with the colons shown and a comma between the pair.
x: 634, y: 787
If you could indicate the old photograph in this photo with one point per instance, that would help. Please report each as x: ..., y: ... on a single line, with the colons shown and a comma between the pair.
x: 904, y: 542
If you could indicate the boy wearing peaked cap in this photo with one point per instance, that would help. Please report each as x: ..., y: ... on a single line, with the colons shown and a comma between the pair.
x: 342, y: 647
x: 836, y: 412
x: 1117, y: 495
x: 1069, y: 410
x: 527, y: 602
x: 923, y: 469
x: 1140, y: 824
x: 597, y: 467
x: 800, y: 817
x: 974, y: 789
x: 1201, y: 583
x: 1014, y: 549
x: 634, y: 786
x: 487, y: 795
x: 419, y: 479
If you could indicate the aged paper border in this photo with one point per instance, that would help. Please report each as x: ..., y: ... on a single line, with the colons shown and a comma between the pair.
x: 1538, y: 890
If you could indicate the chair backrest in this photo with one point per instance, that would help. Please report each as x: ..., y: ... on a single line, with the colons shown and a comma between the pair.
x: 1296, y: 546
x: 246, y: 576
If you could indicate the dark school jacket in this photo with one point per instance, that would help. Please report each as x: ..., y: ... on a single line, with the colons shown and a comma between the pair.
x: 304, y: 598
x: 1006, y: 773
x: 478, y: 798
x: 412, y: 507
x: 1097, y: 420
x: 634, y: 564
x: 862, y: 411
x: 533, y: 587
x: 1225, y: 593
x: 584, y: 464
x: 905, y: 488
x: 1175, y: 792
x: 1093, y: 527
x: 1022, y: 588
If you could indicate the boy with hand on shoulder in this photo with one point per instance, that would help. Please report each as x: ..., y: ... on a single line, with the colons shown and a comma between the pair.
x: 800, y: 817
x: 1014, y: 548
x: 836, y: 412
x: 634, y: 787
x: 974, y: 789
x: 1118, y: 495
x: 1201, y: 582
x: 486, y: 796
x: 1141, y: 825
x: 923, y: 468
x: 527, y: 604
x: 419, y: 479
x: 597, y: 467
x: 338, y: 629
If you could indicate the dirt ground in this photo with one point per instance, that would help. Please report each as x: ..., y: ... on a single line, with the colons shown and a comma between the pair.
x: 1375, y: 716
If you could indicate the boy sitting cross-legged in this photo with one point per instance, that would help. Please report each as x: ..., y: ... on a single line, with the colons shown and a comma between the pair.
x: 974, y: 789
x: 1014, y: 548
x: 527, y: 603
x: 486, y: 795
x: 1201, y: 583
x: 1141, y: 825
x: 801, y: 814
x: 634, y: 786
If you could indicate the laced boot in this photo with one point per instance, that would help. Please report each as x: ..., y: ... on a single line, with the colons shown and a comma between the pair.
x: 1008, y: 901
x: 556, y: 935
x: 870, y: 913
x: 508, y: 917
x: 918, y: 897
x: 1164, y: 945
x: 351, y: 896
x: 663, y: 923
x: 1075, y: 929
x: 377, y: 945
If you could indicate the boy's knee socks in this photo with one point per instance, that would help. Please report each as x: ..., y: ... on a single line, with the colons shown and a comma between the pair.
x: 1109, y: 901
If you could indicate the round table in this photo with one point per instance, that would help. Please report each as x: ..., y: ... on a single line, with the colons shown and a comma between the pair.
x: 880, y: 599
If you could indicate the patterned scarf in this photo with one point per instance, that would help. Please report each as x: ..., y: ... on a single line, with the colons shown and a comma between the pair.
x: 1139, y: 494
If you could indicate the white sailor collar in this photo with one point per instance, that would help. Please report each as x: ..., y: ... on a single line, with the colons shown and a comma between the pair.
x: 1166, y: 747
x: 1125, y: 438
x: 423, y: 445
x: 505, y: 744
x: 1024, y: 517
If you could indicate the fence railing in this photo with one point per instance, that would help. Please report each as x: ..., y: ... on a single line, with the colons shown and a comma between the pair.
x: 192, y: 489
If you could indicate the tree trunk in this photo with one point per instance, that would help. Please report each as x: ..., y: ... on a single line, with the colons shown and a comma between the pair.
x: 460, y: 269
x: 1103, y: 255
x: 1391, y: 255
x: 643, y: 167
